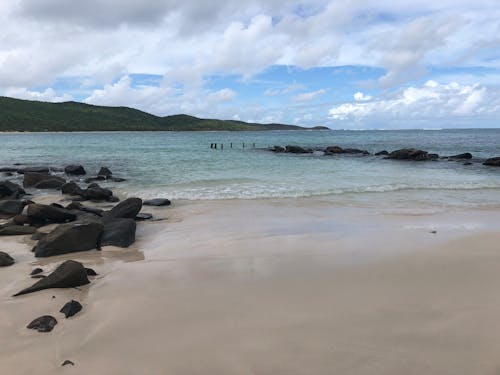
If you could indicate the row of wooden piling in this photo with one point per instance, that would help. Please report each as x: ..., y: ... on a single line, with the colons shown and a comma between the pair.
x: 220, y: 146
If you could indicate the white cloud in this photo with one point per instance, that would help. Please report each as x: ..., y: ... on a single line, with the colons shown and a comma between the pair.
x: 360, y: 97
x: 223, y: 95
x: 308, y: 96
x: 429, y: 101
x: 48, y: 95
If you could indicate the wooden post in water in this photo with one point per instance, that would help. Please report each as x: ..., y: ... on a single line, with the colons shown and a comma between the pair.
x: 231, y: 145
x: 215, y: 145
x: 243, y: 144
x: 221, y: 146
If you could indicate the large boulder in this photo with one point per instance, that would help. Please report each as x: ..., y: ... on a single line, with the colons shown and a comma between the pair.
x: 118, y: 232
x: 5, y: 259
x: 297, y: 150
x: 33, y: 178
x: 50, y: 213
x: 80, y: 207
x: 157, y: 202
x: 69, y: 238
x: 97, y: 193
x: 69, y: 274
x: 50, y: 183
x: 411, y: 154
x: 10, y: 190
x: 128, y: 208
x: 76, y: 170
x: 9, y: 208
x: 16, y: 230
x: 493, y: 162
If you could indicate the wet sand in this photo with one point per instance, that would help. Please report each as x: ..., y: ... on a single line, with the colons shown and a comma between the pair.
x: 270, y: 287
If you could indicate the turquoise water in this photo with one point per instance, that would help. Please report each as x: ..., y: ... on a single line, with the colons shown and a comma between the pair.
x: 181, y: 165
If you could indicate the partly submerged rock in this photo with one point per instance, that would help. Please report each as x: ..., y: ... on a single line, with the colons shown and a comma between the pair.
x: 157, y: 202
x: 105, y: 172
x: 383, y: 152
x: 35, y: 178
x: 76, y: 170
x: 51, y: 183
x: 411, y: 154
x: 6, y: 260
x: 466, y: 155
x: 297, y: 150
x: 69, y: 238
x: 71, y: 188
x: 71, y: 308
x: 44, y: 323
x: 68, y: 274
x: 493, y: 162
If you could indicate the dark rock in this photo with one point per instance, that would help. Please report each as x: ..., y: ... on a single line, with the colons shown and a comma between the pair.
x: 36, y: 271
x: 71, y: 308
x: 50, y: 183
x: 466, y: 155
x: 91, y: 179
x: 432, y: 157
x: 467, y: 163
x: 129, y: 208
x: 6, y: 260
x: 157, y: 202
x: 33, y: 170
x: 67, y: 362
x: 8, y: 173
x: 297, y: 150
x: 10, y: 190
x: 16, y: 230
x: 80, y: 207
x: 118, y: 232
x: 9, y: 208
x: 38, y: 235
x: 334, y: 150
x: 355, y: 151
x: 50, y: 213
x: 34, y: 178
x: 278, y: 149
x: 409, y: 154
x: 141, y: 216
x: 117, y: 179
x: 38, y: 276
x: 90, y: 272
x: 493, y: 162
x: 113, y: 199
x: 384, y: 152
x: 44, y: 323
x: 97, y: 193
x: 8, y: 169
x: 69, y: 238
x: 71, y: 188
x: 76, y: 170
x: 69, y: 274
x: 105, y: 172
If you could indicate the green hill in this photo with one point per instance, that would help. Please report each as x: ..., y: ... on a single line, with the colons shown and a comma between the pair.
x: 26, y: 115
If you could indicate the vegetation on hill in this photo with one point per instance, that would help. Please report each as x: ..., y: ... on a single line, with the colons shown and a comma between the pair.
x: 25, y: 115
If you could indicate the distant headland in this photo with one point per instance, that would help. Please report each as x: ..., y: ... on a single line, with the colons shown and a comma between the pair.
x: 35, y: 116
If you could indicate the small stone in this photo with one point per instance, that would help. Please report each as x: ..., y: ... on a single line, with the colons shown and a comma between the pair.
x: 43, y: 324
x: 91, y: 272
x: 71, y: 308
x: 5, y: 259
x: 36, y: 271
x: 433, y: 231
x: 141, y: 216
x: 67, y: 362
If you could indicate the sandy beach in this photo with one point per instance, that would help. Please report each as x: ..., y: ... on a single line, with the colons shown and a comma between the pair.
x: 270, y: 287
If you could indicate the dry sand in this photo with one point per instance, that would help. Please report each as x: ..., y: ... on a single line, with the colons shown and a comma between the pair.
x: 270, y: 287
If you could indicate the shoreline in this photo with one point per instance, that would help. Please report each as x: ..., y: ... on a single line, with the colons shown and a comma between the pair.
x: 289, y: 286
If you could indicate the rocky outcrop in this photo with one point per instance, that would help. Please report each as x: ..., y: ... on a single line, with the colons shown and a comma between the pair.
x: 464, y: 156
x: 278, y: 149
x: 105, y: 172
x: 10, y: 208
x: 157, y: 202
x: 493, y: 162
x: 330, y: 150
x: 71, y: 188
x: 44, y: 170
x: 6, y: 260
x: 297, y: 150
x: 69, y: 238
x: 50, y: 183
x: 50, y: 213
x: 97, y: 193
x: 75, y: 170
x: 382, y: 153
x: 44, y: 323
x: 69, y: 274
x: 129, y: 208
x: 412, y: 154
x: 118, y: 232
x: 80, y: 207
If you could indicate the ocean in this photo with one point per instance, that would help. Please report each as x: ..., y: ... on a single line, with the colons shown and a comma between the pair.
x: 182, y: 166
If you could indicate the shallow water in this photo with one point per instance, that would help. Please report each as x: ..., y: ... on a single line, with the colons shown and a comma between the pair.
x: 181, y: 165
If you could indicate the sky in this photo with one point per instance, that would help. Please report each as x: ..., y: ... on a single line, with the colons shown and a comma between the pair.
x: 345, y: 64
